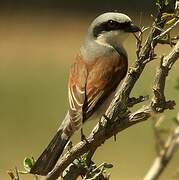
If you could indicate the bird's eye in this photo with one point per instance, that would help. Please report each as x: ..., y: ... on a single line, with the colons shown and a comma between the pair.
x: 112, y: 24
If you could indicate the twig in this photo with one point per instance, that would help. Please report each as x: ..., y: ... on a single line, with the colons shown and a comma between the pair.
x: 167, y: 30
x: 74, y: 170
x: 159, y: 143
x: 165, y: 153
x: 166, y: 41
x: 17, y: 173
x: 11, y: 174
x: 164, y: 157
x: 139, y: 39
x: 133, y: 101
x: 14, y: 175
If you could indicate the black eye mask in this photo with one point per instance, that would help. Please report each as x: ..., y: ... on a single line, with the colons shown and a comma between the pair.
x: 110, y: 25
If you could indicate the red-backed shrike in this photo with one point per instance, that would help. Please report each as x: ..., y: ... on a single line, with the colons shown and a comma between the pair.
x: 96, y: 72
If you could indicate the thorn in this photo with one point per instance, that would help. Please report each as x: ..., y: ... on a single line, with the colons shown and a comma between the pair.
x: 115, y: 137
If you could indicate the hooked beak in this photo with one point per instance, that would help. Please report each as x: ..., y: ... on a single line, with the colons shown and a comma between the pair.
x: 132, y: 28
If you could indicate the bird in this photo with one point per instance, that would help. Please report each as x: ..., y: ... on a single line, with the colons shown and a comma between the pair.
x: 97, y: 70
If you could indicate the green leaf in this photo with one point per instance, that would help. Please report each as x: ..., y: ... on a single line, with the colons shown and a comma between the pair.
x: 28, y: 163
x: 172, y: 21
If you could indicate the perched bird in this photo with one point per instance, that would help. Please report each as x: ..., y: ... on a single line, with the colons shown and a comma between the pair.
x: 97, y: 70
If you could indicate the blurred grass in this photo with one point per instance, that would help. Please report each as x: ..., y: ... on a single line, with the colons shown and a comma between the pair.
x: 35, y: 53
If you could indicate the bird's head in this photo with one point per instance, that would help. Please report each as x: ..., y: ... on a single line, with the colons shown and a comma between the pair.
x: 111, y: 28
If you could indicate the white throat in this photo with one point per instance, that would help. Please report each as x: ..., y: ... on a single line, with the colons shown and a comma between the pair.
x: 112, y: 38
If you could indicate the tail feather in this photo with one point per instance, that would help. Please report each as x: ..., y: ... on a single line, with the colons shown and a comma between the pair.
x: 50, y: 156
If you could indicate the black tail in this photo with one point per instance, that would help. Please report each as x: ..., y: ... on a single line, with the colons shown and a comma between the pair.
x: 50, y: 156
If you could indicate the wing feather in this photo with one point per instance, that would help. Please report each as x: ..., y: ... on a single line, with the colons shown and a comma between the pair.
x: 103, y: 78
x: 90, y: 84
x: 77, y: 95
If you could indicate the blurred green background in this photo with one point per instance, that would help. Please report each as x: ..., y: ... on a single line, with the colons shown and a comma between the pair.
x: 38, y: 41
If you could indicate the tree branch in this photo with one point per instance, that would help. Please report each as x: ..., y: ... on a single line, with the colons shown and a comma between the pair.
x: 159, y: 103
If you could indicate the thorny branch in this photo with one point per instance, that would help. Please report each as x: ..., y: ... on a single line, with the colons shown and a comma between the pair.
x: 167, y: 31
x: 118, y: 117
